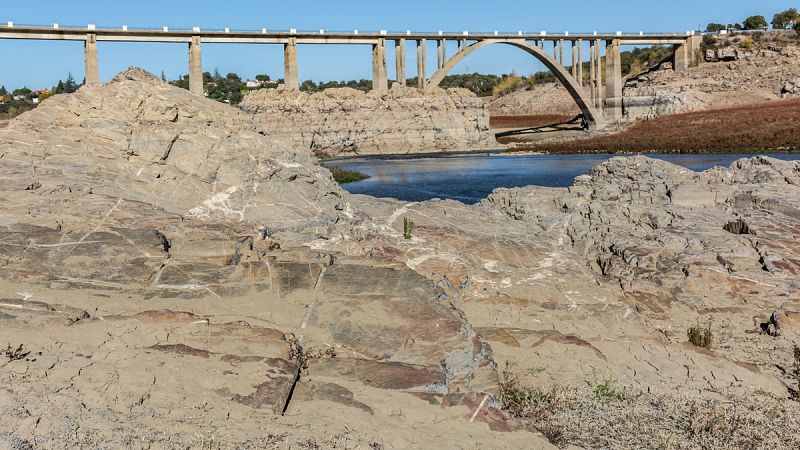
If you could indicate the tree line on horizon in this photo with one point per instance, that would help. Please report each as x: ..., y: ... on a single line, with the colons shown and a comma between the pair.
x: 20, y: 100
x: 784, y: 20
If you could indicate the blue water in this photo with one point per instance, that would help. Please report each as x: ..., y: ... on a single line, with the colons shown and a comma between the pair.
x: 470, y: 178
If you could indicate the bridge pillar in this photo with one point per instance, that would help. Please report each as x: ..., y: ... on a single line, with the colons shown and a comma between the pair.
x: 195, y: 67
x: 680, y: 57
x: 598, y: 75
x: 90, y: 56
x: 561, y: 51
x: 441, y: 53
x: 580, y: 63
x: 613, y: 80
x: 400, y: 61
x: 379, y: 80
x: 695, y: 54
x: 574, y: 59
x: 593, y: 71
x: 422, y: 77
x: 290, y: 74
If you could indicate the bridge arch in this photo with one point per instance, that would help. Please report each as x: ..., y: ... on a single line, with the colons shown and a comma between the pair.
x: 592, y: 114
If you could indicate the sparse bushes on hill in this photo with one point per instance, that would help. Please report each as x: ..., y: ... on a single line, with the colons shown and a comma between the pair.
x: 507, y: 84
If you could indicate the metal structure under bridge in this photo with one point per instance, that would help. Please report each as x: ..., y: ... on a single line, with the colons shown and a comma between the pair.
x: 599, y: 96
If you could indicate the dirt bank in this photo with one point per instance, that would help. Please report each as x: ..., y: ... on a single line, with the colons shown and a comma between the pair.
x: 759, y: 127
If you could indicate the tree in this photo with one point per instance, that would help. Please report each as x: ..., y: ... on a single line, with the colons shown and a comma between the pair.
x: 786, y: 19
x: 755, y: 23
x: 262, y: 77
x: 715, y: 27
x: 308, y: 86
x: 163, y: 77
x: 3, y: 91
x: 24, y: 91
x: 70, y: 86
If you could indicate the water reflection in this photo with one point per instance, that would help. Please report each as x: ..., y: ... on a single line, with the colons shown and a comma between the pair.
x: 471, y: 178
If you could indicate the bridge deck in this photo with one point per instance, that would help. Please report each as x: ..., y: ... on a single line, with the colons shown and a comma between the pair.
x: 306, y: 37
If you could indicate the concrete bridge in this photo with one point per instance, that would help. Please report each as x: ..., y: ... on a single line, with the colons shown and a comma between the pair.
x: 599, y: 96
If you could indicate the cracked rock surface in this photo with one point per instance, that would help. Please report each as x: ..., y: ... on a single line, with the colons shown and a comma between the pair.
x: 348, y: 122
x: 170, y: 277
x: 158, y: 274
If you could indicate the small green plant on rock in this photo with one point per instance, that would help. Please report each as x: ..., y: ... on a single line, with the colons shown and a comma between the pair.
x: 606, y: 389
x: 701, y: 336
x: 408, y: 227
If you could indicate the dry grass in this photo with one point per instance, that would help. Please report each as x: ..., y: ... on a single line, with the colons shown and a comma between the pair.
x: 759, y: 127
x: 531, y: 121
x: 581, y: 417
x: 701, y: 336
x: 795, y: 392
x: 507, y: 84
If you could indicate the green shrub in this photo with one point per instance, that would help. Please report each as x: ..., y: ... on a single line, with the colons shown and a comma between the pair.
x: 607, y: 390
x: 709, y: 43
x: 701, y: 336
x: 408, y: 227
x: 346, y: 176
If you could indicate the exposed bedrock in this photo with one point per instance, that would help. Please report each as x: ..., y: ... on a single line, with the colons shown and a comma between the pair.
x: 342, y: 122
x: 155, y: 259
x: 171, y: 276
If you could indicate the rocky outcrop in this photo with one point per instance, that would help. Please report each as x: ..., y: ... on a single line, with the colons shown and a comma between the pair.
x: 345, y: 121
x: 171, y: 277
x: 157, y: 276
x: 539, y: 99
x: 732, y: 77
x: 670, y: 234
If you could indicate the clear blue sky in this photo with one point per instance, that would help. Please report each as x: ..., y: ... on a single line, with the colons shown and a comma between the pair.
x: 40, y: 64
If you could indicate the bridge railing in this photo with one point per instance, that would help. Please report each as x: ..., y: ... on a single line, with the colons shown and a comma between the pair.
x: 413, y: 33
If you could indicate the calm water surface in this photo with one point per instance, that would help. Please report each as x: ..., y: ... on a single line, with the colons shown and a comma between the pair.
x: 471, y: 178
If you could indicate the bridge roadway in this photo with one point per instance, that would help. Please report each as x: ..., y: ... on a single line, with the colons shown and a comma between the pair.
x: 599, y: 97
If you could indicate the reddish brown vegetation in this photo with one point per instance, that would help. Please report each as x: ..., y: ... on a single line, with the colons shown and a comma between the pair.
x: 527, y: 121
x: 759, y: 127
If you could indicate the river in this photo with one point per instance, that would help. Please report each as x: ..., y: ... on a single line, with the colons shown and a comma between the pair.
x: 470, y: 178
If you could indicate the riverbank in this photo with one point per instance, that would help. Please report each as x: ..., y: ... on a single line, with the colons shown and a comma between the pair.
x: 758, y: 128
